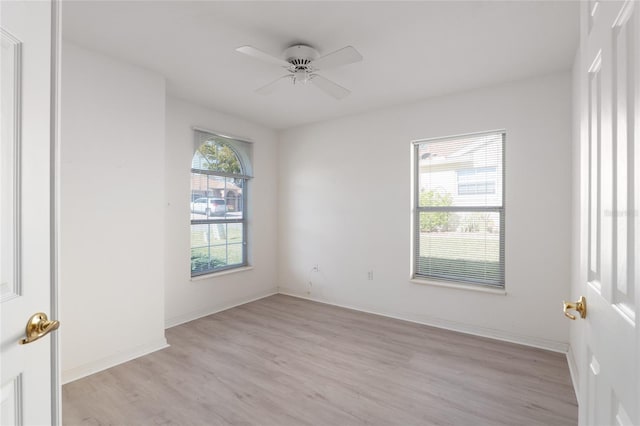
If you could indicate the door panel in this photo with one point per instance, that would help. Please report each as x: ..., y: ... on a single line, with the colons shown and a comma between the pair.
x: 25, y: 214
x: 11, y: 402
x: 610, y: 42
x: 624, y: 46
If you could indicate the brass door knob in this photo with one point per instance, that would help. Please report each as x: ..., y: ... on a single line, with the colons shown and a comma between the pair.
x: 38, y: 326
x: 579, y: 306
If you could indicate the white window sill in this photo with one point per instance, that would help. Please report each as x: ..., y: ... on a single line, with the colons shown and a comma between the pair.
x: 221, y: 273
x: 460, y: 286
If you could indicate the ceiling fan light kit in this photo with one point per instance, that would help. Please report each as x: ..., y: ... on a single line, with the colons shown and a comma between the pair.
x: 302, y: 62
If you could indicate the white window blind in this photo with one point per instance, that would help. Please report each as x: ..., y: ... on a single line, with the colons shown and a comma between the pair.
x: 459, y: 199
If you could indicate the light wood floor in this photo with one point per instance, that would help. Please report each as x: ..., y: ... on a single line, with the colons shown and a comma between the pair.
x: 287, y: 361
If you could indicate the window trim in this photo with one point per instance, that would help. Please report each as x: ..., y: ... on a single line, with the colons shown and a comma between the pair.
x: 242, y: 159
x: 220, y: 273
x: 459, y: 285
x: 456, y: 282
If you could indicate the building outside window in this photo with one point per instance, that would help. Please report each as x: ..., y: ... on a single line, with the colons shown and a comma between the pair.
x: 479, y: 180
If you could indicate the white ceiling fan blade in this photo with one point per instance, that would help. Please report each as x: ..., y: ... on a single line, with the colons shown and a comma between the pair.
x: 344, y: 56
x: 269, y: 88
x: 329, y: 87
x: 263, y: 56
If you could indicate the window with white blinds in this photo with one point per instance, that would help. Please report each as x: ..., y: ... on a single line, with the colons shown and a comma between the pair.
x: 220, y: 170
x: 459, y: 209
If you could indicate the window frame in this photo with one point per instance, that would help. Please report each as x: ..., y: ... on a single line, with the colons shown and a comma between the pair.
x: 244, y: 176
x: 417, y: 209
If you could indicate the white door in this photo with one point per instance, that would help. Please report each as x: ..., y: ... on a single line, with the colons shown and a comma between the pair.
x: 610, y: 80
x: 28, y: 371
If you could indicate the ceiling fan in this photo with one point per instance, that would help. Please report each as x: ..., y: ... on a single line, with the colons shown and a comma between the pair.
x: 302, y: 62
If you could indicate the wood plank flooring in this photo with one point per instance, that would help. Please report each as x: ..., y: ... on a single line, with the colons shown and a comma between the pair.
x: 287, y: 361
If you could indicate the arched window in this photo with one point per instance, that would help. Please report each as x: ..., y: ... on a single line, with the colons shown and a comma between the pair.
x: 220, y: 170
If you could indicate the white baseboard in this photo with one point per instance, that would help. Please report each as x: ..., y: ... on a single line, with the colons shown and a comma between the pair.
x: 193, y: 315
x: 550, y: 345
x: 573, y: 370
x: 111, y: 361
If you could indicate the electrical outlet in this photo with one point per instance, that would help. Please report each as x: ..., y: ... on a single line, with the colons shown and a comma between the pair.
x: 315, y: 268
x: 370, y: 275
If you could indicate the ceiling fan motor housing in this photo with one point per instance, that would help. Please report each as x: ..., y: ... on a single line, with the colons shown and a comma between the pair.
x: 300, y: 56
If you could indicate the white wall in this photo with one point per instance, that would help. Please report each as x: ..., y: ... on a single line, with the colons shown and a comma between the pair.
x: 187, y: 299
x: 345, y: 205
x: 112, y: 177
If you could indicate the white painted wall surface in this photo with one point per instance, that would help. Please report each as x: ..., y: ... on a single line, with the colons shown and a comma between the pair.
x: 112, y: 212
x: 345, y: 205
x: 187, y: 299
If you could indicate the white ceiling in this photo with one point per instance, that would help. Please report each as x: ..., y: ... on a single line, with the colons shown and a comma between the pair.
x: 411, y: 50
